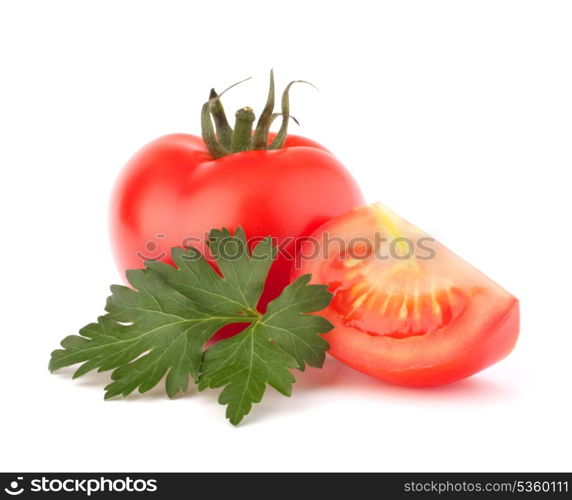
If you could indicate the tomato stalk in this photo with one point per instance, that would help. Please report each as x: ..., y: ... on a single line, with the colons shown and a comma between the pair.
x: 242, y: 136
x: 221, y: 140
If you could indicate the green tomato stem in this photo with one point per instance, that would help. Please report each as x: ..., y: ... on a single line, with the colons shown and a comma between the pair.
x: 221, y: 140
x: 242, y: 136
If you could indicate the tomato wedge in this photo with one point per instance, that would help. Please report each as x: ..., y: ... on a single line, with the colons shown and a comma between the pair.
x: 406, y: 309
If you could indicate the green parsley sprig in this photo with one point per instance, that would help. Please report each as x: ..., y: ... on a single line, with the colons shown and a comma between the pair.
x: 160, y: 326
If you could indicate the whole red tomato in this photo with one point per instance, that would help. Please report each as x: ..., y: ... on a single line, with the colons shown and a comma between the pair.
x: 173, y: 192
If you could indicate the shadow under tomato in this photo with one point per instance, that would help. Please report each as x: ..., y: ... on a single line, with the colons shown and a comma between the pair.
x: 335, y: 374
x: 337, y: 381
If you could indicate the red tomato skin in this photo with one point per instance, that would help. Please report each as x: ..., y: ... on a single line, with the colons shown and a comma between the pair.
x: 173, y: 190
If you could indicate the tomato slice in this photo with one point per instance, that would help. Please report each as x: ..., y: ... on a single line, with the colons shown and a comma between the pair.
x: 406, y: 309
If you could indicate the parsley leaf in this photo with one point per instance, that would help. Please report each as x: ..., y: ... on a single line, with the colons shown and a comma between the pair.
x: 160, y: 326
x: 285, y: 337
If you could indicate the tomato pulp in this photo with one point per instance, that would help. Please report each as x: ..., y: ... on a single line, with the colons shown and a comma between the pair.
x: 172, y: 193
x: 406, y: 309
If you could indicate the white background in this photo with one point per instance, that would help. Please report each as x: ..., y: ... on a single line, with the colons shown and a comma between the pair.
x: 456, y: 114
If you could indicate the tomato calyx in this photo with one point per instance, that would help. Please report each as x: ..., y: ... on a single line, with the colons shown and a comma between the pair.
x: 222, y: 140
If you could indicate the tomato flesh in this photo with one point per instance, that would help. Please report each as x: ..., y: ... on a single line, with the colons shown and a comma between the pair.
x: 406, y: 309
